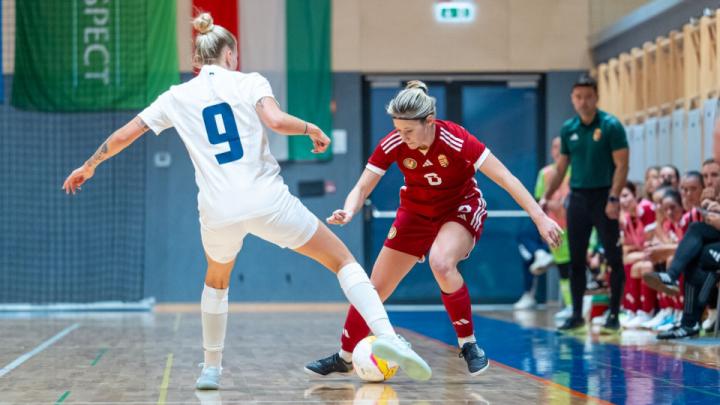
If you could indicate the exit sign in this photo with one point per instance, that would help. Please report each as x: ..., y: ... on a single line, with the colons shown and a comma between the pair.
x: 455, y: 12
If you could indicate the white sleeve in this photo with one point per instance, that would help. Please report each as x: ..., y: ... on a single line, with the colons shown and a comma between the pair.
x: 155, y: 116
x: 482, y: 158
x: 260, y: 88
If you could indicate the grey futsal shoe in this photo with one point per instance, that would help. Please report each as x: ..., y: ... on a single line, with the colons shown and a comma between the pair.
x: 662, y: 282
x: 475, y: 358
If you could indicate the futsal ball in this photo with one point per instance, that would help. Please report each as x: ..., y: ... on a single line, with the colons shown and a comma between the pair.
x: 369, y: 367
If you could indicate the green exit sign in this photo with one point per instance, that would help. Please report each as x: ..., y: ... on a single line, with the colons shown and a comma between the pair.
x: 455, y: 12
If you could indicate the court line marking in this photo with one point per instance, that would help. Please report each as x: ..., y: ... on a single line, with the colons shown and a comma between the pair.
x: 62, y: 398
x: 165, y: 381
x: 99, y: 355
x: 520, y: 372
x: 27, y: 356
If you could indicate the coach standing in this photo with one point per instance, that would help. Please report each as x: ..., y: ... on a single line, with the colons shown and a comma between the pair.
x: 594, y: 142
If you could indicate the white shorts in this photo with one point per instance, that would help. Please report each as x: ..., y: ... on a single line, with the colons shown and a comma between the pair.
x: 291, y: 226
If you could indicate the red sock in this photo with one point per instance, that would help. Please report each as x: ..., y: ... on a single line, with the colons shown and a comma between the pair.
x: 458, y: 307
x: 631, y: 298
x: 664, y: 301
x: 648, y: 298
x: 354, y: 331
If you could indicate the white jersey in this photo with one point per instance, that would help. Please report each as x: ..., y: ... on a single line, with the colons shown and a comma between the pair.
x: 214, y: 113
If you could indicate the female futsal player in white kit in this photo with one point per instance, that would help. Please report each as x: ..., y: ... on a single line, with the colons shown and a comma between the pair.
x: 219, y: 116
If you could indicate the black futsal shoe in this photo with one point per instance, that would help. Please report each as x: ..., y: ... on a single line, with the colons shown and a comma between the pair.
x: 612, y: 325
x: 679, y: 332
x: 573, y: 325
x: 475, y: 358
x: 662, y: 282
x: 329, y: 365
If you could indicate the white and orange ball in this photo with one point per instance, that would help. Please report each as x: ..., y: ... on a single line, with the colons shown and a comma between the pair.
x: 370, y: 367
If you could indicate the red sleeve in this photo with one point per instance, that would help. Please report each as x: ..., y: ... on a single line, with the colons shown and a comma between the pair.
x: 647, y: 217
x: 475, y: 151
x: 384, y: 154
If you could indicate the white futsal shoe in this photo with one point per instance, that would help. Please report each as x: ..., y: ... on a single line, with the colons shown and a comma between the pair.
x: 209, y: 378
x: 639, y: 319
x: 398, y: 350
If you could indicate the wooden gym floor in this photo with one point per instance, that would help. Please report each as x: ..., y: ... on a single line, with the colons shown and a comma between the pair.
x: 152, y: 358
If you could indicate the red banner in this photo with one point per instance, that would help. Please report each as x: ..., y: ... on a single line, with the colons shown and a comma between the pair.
x: 224, y: 13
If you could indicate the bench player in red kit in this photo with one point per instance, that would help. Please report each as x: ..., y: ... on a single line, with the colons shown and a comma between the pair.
x: 442, y: 212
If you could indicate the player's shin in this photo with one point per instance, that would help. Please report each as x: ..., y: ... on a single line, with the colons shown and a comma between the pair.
x: 214, y: 308
x: 363, y: 296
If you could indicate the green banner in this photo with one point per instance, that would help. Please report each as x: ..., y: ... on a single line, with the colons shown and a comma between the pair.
x: 91, y: 55
x: 308, y: 70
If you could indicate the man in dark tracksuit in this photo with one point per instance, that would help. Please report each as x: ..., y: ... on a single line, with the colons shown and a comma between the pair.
x: 594, y: 142
x: 698, y: 257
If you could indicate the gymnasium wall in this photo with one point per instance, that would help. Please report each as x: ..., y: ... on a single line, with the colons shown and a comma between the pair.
x: 388, y: 36
x: 169, y: 248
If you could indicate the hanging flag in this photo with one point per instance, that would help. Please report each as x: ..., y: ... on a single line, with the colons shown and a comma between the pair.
x: 224, y: 13
x: 309, y: 26
x: 295, y: 56
x: 92, y: 55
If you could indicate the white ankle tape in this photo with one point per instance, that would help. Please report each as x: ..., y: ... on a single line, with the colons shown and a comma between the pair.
x: 214, y: 301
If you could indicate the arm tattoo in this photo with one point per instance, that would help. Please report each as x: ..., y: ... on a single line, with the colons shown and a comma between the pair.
x: 99, y: 155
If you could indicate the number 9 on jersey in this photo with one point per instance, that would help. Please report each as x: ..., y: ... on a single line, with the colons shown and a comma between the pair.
x: 221, y: 128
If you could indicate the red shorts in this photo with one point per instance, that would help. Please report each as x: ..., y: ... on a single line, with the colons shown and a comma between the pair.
x: 414, y: 234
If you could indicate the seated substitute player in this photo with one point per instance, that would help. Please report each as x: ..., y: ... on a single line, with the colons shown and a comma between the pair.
x: 441, y: 211
x: 219, y: 116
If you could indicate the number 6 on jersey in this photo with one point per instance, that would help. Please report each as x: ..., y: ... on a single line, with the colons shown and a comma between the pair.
x: 221, y: 127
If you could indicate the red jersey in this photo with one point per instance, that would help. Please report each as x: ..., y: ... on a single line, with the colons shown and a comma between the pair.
x: 435, y: 182
x: 689, y: 217
x: 635, y: 227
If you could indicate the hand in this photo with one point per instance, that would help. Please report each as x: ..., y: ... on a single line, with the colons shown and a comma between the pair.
x: 612, y: 210
x: 711, y: 205
x: 550, y: 231
x: 319, y: 139
x: 713, y: 219
x: 340, y: 217
x: 77, y: 178
x: 708, y: 193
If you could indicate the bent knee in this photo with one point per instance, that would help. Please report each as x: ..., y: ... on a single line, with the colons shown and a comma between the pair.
x: 442, y: 266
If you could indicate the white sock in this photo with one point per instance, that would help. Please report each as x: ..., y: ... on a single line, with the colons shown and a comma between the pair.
x: 347, y: 356
x: 466, y: 339
x: 214, y: 308
x: 362, y: 295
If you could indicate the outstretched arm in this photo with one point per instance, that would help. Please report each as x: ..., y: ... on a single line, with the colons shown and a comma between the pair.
x: 283, y: 123
x: 498, y: 173
x: 355, y: 200
x: 119, y: 140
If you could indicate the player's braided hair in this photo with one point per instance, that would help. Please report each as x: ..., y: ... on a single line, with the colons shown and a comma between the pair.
x: 210, y: 40
x: 412, y: 103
